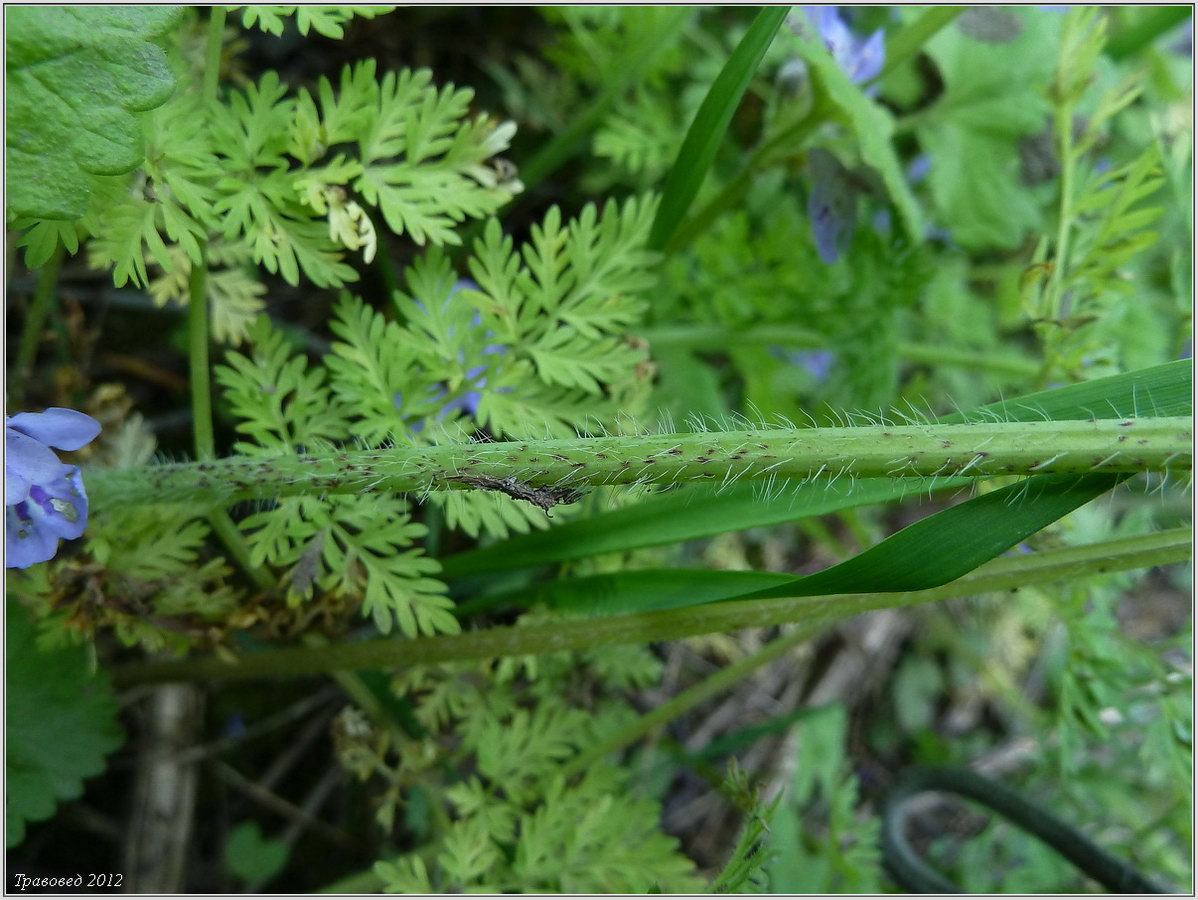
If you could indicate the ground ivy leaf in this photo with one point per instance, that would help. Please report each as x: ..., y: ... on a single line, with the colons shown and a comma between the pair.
x: 994, y: 95
x: 61, y: 720
x: 76, y: 76
x: 252, y: 857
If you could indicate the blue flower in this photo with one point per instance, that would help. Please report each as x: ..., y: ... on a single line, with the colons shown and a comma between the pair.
x: 860, y: 58
x: 44, y: 500
x: 475, y: 379
x: 918, y: 168
x: 831, y: 205
x: 818, y: 363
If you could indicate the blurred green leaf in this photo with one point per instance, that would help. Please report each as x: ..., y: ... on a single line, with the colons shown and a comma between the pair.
x: 252, y: 857
x: 994, y: 95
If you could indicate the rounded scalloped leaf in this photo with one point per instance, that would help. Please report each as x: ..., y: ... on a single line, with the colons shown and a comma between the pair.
x: 61, y: 720
x: 76, y: 77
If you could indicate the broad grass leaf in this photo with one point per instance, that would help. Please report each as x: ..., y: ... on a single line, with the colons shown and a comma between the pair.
x: 927, y: 554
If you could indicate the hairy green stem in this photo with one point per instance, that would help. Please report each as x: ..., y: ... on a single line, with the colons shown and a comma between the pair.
x: 1007, y: 573
x: 550, y: 472
x: 35, y: 317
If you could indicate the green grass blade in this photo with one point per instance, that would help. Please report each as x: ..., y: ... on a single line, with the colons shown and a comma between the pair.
x: 1163, y: 390
x: 934, y: 551
x: 711, y: 122
x: 903, y: 45
x: 1151, y: 25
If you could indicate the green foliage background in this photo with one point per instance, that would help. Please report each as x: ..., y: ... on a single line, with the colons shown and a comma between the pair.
x: 610, y: 232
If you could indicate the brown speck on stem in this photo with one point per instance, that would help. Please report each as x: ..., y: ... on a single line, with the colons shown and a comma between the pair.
x: 544, y: 497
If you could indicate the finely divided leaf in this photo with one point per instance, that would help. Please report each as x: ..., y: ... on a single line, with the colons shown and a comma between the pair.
x: 326, y: 20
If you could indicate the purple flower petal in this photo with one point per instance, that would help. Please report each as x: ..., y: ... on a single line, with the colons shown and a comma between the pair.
x: 44, y: 499
x: 27, y: 461
x: 868, y: 58
x: 861, y: 60
x: 831, y: 205
x: 66, y: 429
x: 919, y: 168
x: 25, y: 545
x: 818, y: 363
x: 52, y: 512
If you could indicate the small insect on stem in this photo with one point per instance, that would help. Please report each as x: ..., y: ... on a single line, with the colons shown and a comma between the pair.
x: 544, y: 497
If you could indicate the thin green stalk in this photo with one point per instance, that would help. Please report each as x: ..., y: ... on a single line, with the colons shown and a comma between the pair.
x: 1063, y: 126
x: 546, y: 473
x: 230, y: 536
x: 1007, y: 573
x: 911, y: 39
x: 201, y: 413
x: 716, y: 337
x: 940, y: 355
x: 690, y: 698
x: 212, y: 50
x: 197, y: 351
x: 35, y: 316
x: 222, y: 523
